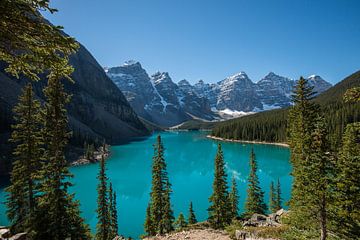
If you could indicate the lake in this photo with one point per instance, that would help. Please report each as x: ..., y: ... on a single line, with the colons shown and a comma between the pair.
x: 190, y: 160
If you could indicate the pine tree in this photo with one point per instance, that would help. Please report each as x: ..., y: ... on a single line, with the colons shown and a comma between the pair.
x: 272, y: 198
x: 112, y: 213
x: 103, y: 225
x: 255, y: 196
x: 27, y: 136
x: 149, y: 225
x: 160, y: 209
x: 278, y: 198
x: 347, y: 188
x: 312, y: 167
x: 300, y: 127
x: 59, y: 215
x: 218, y: 211
x: 234, y: 199
x: 180, y: 222
x: 192, y: 217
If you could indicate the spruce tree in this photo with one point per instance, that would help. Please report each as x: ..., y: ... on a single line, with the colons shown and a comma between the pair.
x: 234, y: 199
x: 218, y: 211
x: 347, y: 188
x: 272, y: 198
x: 160, y: 209
x: 255, y: 196
x: 112, y: 213
x: 278, y: 198
x: 149, y: 225
x: 192, y: 217
x: 59, y: 214
x: 180, y: 222
x: 103, y: 226
x: 23, y: 190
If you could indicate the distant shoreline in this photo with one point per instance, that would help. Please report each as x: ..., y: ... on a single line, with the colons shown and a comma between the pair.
x: 244, y: 141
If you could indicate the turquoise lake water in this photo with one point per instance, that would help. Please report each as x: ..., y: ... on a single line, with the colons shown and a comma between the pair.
x: 190, y: 160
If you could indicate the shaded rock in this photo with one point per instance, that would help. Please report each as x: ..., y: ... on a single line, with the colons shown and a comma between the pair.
x: 19, y: 236
x: 4, y: 233
x: 240, y: 235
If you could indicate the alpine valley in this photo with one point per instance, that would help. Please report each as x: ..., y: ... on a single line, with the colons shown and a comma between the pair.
x: 159, y: 100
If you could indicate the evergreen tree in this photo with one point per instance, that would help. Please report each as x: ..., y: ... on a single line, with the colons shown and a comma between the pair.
x: 234, y: 199
x: 59, y: 215
x: 23, y: 189
x: 168, y: 214
x: 112, y: 213
x: 160, y: 209
x: 103, y: 230
x: 320, y: 170
x: 192, y: 217
x: 312, y: 167
x: 219, y: 215
x: 180, y: 222
x: 347, y: 188
x: 149, y: 225
x: 272, y: 198
x: 300, y: 127
x: 278, y: 198
x: 255, y: 196
x: 32, y: 44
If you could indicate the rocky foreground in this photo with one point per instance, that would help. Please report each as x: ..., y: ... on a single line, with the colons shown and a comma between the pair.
x: 203, y: 234
x: 251, y: 229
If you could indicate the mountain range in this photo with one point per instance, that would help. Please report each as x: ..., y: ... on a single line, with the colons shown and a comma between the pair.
x: 158, y: 99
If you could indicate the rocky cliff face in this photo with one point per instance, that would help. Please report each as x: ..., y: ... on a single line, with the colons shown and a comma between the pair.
x: 98, y: 109
x: 238, y: 93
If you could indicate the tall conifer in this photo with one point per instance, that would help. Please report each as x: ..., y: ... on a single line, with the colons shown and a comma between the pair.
x: 160, y: 203
x: 192, y: 217
x: 112, y: 213
x: 234, y: 199
x: 59, y: 214
x: 278, y: 198
x: 272, y: 198
x: 103, y: 227
x: 255, y: 196
x: 218, y: 211
x: 347, y: 194
x: 27, y: 136
x: 311, y: 162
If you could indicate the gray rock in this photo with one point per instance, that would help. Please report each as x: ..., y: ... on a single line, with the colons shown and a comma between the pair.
x: 5, y: 233
x: 240, y: 235
x: 19, y: 236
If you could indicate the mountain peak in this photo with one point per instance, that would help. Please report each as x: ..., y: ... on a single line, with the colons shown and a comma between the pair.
x: 184, y: 82
x: 131, y: 62
x: 315, y: 77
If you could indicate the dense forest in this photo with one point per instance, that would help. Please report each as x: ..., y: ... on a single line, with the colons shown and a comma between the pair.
x: 270, y: 126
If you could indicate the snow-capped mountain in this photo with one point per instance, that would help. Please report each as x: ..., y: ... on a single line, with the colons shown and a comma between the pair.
x: 157, y: 98
x: 319, y: 84
x: 237, y: 93
x: 274, y: 91
x: 160, y: 100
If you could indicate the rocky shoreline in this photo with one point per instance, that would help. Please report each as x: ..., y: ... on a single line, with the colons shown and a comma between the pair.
x: 83, y: 160
x: 244, y: 141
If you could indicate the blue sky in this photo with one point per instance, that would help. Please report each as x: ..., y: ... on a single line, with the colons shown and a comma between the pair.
x: 212, y: 39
